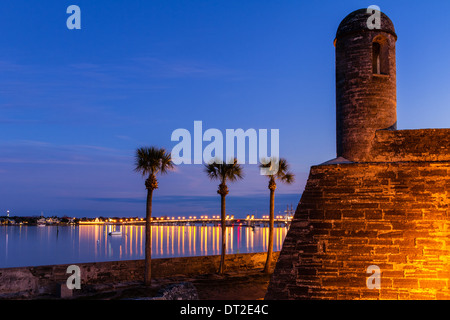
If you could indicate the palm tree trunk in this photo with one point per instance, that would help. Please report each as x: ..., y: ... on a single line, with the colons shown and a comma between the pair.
x: 271, y: 222
x: 148, y: 239
x: 224, y: 233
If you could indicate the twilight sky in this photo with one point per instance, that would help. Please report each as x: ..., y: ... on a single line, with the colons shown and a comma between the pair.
x: 75, y: 104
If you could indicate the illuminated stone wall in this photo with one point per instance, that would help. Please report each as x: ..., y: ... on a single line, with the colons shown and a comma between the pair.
x: 411, y: 145
x: 352, y: 216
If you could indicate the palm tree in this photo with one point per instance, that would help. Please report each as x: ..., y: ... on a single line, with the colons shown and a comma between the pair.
x: 216, y: 170
x: 151, y: 161
x: 284, y: 176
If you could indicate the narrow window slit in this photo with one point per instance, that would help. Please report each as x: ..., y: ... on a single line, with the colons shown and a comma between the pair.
x: 380, y: 57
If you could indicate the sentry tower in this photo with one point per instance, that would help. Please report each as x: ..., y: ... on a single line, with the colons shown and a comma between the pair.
x: 366, y: 90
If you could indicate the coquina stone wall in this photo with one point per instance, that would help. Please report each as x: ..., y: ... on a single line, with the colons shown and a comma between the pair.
x: 352, y: 216
x: 411, y: 145
x: 47, y: 280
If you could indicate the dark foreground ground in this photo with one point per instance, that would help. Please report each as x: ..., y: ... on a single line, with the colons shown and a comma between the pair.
x: 247, y: 285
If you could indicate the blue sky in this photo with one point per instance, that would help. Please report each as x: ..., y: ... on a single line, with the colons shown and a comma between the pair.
x: 75, y: 104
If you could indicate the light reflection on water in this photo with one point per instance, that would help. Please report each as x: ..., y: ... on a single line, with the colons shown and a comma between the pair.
x: 32, y: 245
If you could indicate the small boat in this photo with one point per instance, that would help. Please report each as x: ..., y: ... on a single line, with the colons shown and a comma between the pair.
x: 114, y: 233
x: 41, y: 225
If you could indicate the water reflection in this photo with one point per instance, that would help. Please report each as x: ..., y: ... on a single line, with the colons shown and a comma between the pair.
x: 31, y: 245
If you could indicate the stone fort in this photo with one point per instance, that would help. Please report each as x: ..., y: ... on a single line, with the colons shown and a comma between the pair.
x: 384, y: 201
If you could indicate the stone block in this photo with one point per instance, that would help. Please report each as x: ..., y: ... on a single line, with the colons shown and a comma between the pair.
x: 64, y: 292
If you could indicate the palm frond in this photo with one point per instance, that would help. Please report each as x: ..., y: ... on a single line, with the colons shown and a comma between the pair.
x: 233, y: 171
x: 151, y: 160
x: 283, y: 174
x: 166, y: 162
x: 216, y: 170
x: 212, y: 170
x: 288, y: 178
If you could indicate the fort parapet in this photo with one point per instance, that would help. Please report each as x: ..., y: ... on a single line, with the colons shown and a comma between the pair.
x: 411, y: 145
x: 48, y: 281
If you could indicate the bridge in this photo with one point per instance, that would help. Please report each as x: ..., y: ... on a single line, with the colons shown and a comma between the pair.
x: 249, y: 221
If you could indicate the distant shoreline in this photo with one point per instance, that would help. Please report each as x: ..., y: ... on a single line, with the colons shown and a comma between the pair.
x: 250, y: 221
x: 65, y: 221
